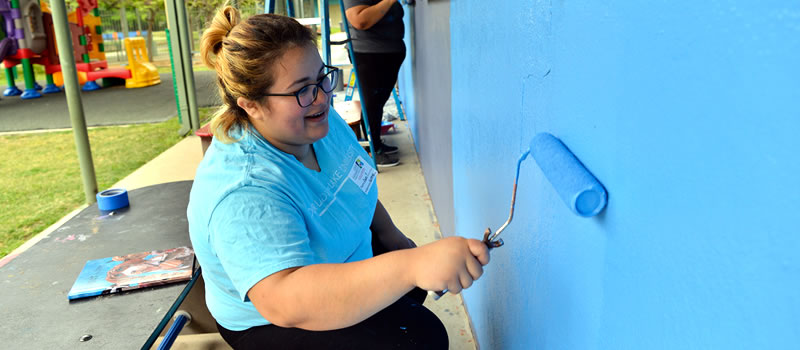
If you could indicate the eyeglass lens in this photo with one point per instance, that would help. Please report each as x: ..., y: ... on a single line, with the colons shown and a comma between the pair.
x: 308, y: 94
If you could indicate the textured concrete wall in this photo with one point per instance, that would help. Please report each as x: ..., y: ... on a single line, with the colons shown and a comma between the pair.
x: 688, y: 113
x: 431, y: 121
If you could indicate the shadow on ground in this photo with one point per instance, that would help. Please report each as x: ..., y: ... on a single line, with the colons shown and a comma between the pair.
x: 110, y: 106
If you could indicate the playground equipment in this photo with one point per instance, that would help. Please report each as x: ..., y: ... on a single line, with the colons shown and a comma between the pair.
x: 143, y: 72
x: 25, y: 41
x: 139, y: 73
x: 30, y: 40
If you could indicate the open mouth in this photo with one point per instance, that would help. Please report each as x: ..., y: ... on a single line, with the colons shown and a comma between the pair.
x: 317, y: 116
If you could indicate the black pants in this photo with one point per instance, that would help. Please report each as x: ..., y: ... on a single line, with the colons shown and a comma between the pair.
x: 377, y: 75
x: 406, y: 324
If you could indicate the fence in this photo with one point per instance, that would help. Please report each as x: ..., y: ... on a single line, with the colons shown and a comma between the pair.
x: 137, y: 26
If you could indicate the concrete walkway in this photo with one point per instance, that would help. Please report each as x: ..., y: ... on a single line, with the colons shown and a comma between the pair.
x: 402, y: 191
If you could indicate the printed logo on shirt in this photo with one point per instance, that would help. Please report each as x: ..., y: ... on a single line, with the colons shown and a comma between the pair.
x: 328, y: 196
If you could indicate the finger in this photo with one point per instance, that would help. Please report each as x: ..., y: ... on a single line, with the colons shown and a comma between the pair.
x: 475, y: 268
x: 479, y: 250
x: 454, y: 287
x: 466, y: 279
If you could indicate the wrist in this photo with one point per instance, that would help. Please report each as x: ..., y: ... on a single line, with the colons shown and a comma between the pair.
x: 410, y: 259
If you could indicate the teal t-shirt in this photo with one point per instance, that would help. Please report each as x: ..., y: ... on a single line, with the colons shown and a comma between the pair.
x: 255, y: 210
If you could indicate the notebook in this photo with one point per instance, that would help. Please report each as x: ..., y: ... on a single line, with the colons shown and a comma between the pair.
x: 133, y: 271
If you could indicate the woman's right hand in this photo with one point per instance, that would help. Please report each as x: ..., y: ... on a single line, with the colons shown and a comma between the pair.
x: 451, y: 263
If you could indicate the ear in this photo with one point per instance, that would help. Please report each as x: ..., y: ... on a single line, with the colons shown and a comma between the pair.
x: 252, y: 108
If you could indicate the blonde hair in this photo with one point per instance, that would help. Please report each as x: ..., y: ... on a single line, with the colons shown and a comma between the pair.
x: 243, y: 55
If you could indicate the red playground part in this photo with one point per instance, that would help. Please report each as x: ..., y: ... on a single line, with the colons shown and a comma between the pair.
x: 109, y: 73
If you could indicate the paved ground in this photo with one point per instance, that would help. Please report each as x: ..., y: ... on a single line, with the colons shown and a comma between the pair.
x: 110, y: 106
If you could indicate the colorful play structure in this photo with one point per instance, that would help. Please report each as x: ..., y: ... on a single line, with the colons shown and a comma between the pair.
x: 27, y: 38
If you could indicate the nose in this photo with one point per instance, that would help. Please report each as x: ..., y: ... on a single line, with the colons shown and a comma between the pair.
x: 320, y: 100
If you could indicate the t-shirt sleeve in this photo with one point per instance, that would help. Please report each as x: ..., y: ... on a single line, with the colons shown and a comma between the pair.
x: 350, y: 3
x: 256, y: 233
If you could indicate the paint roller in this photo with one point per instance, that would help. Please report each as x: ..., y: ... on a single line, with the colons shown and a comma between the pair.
x: 576, y: 186
x: 583, y: 194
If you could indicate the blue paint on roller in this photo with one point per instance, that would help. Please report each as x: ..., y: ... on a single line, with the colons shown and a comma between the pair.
x: 578, y: 188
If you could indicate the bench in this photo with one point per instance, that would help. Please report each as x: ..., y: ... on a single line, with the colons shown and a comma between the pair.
x: 205, y: 137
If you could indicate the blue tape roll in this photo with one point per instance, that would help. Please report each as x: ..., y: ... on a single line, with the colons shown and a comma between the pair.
x: 578, y: 188
x: 112, y: 199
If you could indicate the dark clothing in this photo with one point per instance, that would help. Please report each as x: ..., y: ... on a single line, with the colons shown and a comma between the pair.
x: 406, y: 324
x: 385, y: 36
x: 377, y: 75
x: 379, y: 52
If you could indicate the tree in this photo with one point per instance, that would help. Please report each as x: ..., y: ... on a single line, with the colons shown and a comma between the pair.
x: 205, y: 9
x: 151, y: 8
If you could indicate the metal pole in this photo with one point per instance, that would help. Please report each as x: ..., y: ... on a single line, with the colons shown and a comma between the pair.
x: 365, y: 118
x: 290, y: 8
x: 173, y: 39
x: 326, y: 32
x: 186, y: 56
x: 301, y: 5
x: 74, y: 104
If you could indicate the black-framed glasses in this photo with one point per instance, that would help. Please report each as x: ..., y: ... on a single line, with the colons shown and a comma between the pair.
x: 308, y: 94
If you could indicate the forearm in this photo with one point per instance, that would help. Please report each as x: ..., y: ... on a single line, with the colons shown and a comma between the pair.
x: 333, y: 296
x: 364, y: 17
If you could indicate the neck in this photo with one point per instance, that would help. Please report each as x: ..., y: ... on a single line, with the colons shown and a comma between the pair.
x: 300, y: 152
x: 303, y: 153
x: 308, y: 158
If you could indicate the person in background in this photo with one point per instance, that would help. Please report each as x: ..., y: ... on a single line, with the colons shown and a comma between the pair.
x: 376, y: 30
x: 296, y: 250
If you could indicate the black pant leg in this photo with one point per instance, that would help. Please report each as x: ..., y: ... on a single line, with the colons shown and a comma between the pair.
x: 405, y: 324
x: 377, y: 76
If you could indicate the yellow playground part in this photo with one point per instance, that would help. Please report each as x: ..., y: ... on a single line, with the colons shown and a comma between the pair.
x: 143, y: 73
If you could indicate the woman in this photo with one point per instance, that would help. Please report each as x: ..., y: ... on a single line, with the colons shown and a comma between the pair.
x: 277, y: 209
x: 376, y: 28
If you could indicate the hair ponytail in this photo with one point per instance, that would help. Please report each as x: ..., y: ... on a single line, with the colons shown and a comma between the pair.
x: 219, y: 28
x: 243, y: 54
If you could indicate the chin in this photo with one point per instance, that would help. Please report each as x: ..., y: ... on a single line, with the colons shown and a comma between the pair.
x: 319, y: 131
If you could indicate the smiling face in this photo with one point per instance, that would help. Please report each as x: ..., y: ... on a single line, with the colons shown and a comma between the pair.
x: 280, y: 119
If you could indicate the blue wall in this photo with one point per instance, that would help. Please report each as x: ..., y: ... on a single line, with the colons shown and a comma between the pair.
x: 689, y: 113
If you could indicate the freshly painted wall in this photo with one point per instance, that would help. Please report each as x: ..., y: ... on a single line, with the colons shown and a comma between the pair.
x: 688, y: 112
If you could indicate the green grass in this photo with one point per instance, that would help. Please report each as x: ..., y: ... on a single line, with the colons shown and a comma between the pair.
x: 205, y: 114
x: 41, y: 179
x: 168, y: 69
